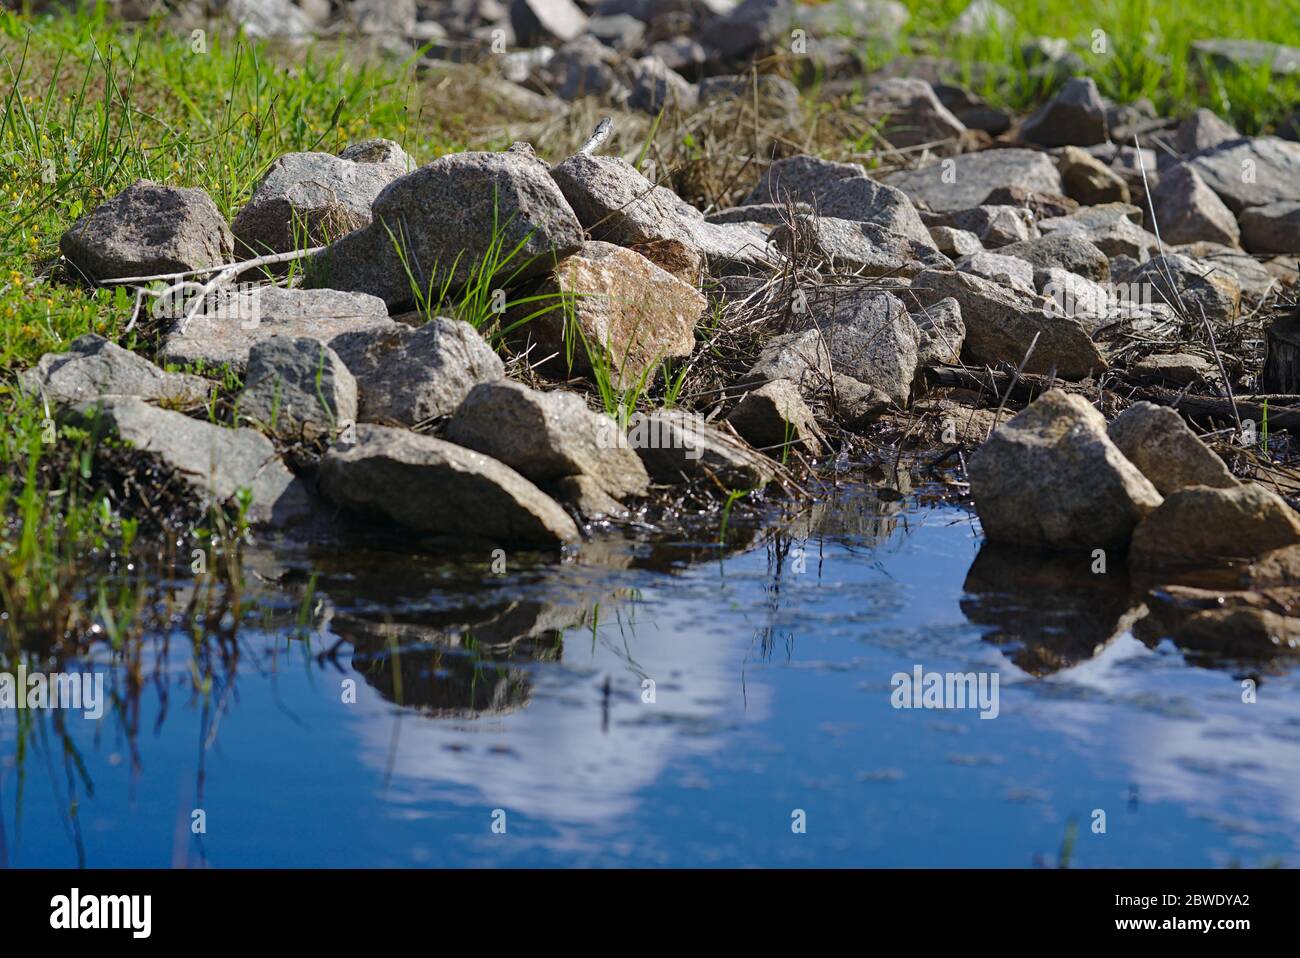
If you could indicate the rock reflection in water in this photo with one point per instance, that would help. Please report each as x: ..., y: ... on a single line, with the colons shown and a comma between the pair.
x: 1049, y: 610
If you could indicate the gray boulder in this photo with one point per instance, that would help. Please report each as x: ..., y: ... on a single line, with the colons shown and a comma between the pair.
x: 870, y: 336
x: 1075, y: 115
x: 216, y: 463
x: 1188, y: 211
x: 1252, y: 172
x: 547, y: 436
x: 964, y: 181
x: 443, y: 217
x: 1203, y: 130
x: 1051, y: 477
x: 1003, y: 270
x: 546, y: 21
x: 432, y: 486
x: 297, y: 388
x: 225, y: 329
x: 677, y: 446
x: 864, y: 200
x: 148, y: 229
x: 1274, y: 228
x: 1157, y: 441
x: 910, y: 112
x: 804, y: 179
x: 1068, y: 250
x: 410, y: 376
x: 95, y: 368
x: 800, y: 357
x: 859, y: 247
x: 994, y: 226
x: 942, y: 333
x: 774, y: 419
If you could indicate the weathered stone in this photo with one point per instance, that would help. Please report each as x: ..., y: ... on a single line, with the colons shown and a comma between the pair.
x: 1254, y: 277
x: 853, y: 404
x: 297, y: 388
x: 309, y: 199
x: 1001, y: 324
x: 1188, y: 211
x: 803, y: 179
x: 1109, y: 227
x: 910, y: 112
x: 584, y: 494
x: 1003, y: 270
x: 964, y: 181
x: 409, y: 376
x: 1088, y: 180
x: 870, y: 336
x: 546, y: 21
x: 1157, y: 441
x: 218, y: 464
x: 626, y: 309
x: 1074, y: 295
x: 942, y: 333
x: 94, y: 368
x: 227, y: 326
x: 769, y: 214
x: 1068, y: 250
x: 776, y: 96
x: 1274, y: 228
x: 1051, y: 477
x: 1177, y: 369
x: 446, y: 217
x: 145, y: 230
x: 432, y: 486
x: 973, y: 112
x: 774, y: 419
x: 1273, y: 166
x: 547, y: 436
x: 1203, y: 526
x: 866, y: 201
x: 1075, y: 115
x: 1203, y: 130
x: 656, y: 87
x: 619, y: 205
x: 800, y: 357
x: 583, y: 67
x: 678, y: 446
x: 955, y: 243
x: 1189, y: 287
x: 995, y: 226
x: 379, y: 151
x: 862, y: 248
x: 1042, y: 205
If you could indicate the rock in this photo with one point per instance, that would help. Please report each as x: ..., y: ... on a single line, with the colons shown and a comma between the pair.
x: 942, y: 333
x: 656, y: 87
x: 270, y: 18
x: 546, y: 21
x: 1088, y: 180
x: 1158, y: 442
x: 297, y: 388
x: 382, y: 18
x: 866, y: 201
x: 1274, y: 228
x: 584, y: 67
x: 145, y: 230
x: 429, y: 485
x: 215, y: 462
x: 775, y: 95
x: 1051, y: 477
x: 225, y: 329
x: 1067, y: 250
x: 623, y: 304
x: 955, y: 243
x: 911, y: 113
x: 443, y: 215
x: 309, y: 199
x: 853, y: 404
x: 678, y: 446
x: 683, y: 54
x: 1042, y: 205
x: 1003, y: 270
x: 774, y: 419
x: 676, y: 258
x: 803, y: 179
x: 967, y: 179
x: 1239, y: 632
x: 981, y: 17
x: 1001, y: 324
x: 1251, y: 172
x: 971, y: 111
x: 1252, y: 276
x: 620, y: 31
x: 1203, y: 130
x: 1074, y: 295
x: 547, y: 436
x: 1282, y: 61
x: 1075, y: 115
x: 800, y: 357
x: 1189, y: 287
x: 619, y: 205
x: 409, y: 376
x: 769, y: 214
x: 1202, y: 526
x: 1177, y: 369
x: 995, y: 226
x: 869, y: 336
x: 94, y: 368
x: 1188, y: 211
x: 748, y: 27
x: 862, y: 248
x: 1109, y: 228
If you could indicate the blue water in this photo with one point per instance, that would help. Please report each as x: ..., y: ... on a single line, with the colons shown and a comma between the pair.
x: 522, y: 706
